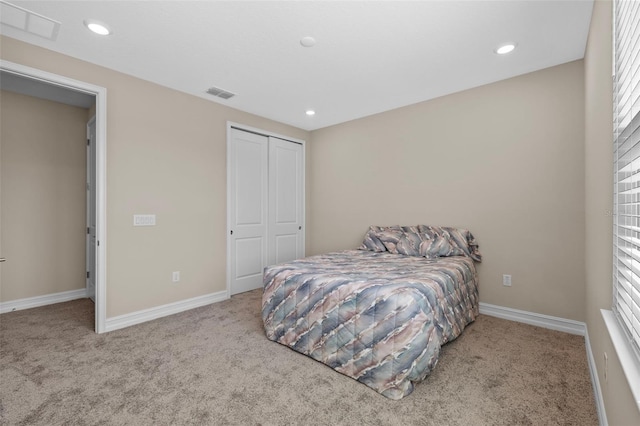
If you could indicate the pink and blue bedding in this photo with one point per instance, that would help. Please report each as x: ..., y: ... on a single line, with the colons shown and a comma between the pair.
x: 378, y: 316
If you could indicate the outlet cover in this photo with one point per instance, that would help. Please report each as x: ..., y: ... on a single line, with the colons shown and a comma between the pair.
x: 506, y: 280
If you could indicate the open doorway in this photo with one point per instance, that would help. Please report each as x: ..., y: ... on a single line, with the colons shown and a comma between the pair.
x: 36, y: 83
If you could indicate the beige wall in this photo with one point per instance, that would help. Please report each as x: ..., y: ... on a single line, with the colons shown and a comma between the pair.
x: 504, y: 160
x: 42, y: 178
x: 166, y: 154
x: 619, y: 404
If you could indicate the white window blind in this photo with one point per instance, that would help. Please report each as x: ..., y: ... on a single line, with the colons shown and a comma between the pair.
x: 626, y: 129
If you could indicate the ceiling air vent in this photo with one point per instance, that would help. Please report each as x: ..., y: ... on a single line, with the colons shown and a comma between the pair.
x: 28, y: 21
x: 215, y: 91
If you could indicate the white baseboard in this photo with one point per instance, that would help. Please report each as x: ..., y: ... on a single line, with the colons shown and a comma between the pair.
x: 595, y: 382
x: 540, y: 320
x: 145, y: 315
x: 47, y: 299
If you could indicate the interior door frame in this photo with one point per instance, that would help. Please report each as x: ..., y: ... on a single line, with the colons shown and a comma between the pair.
x: 232, y: 125
x: 100, y: 94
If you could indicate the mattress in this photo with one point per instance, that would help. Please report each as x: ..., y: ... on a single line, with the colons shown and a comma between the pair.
x: 377, y: 317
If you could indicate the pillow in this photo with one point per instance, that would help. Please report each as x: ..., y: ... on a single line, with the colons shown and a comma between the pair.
x: 431, y: 230
x: 371, y: 242
x: 422, y: 240
x: 390, y: 239
x: 409, y: 244
x: 409, y: 229
x: 465, y: 241
x: 461, y: 239
x: 433, y: 246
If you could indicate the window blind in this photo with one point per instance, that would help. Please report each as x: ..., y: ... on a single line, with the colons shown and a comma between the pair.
x: 626, y: 168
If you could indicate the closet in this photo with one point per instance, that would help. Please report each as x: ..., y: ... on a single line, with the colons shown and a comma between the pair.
x: 265, y: 189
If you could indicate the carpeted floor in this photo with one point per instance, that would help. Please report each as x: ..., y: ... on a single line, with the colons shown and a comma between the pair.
x: 214, y: 366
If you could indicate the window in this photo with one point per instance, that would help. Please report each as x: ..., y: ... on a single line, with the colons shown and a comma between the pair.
x: 626, y: 129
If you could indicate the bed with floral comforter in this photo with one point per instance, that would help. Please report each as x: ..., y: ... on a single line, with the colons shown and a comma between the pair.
x: 378, y: 316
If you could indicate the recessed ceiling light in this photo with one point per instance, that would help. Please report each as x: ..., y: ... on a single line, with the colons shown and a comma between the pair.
x: 505, y: 48
x: 310, y: 112
x: 308, y: 41
x: 97, y: 27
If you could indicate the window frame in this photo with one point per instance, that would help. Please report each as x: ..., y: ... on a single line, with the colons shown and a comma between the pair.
x: 623, y: 321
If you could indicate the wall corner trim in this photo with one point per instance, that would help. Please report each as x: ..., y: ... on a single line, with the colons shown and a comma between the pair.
x: 47, y: 299
x: 133, y: 318
x: 532, y: 318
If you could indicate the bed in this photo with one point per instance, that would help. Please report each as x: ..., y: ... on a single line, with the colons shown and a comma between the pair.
x: 378, y: 314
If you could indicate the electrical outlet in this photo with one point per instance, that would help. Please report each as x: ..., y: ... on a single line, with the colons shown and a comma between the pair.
x: 606, y: 367
x: 176, y: 276
x: 506, y: 280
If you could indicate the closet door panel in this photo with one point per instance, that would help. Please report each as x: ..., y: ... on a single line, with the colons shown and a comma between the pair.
x: 285, y: 201
x: 248, y: 188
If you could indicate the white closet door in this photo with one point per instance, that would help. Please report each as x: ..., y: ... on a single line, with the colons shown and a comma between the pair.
x: 285, y: 201
x: 91, y: 243
x: 248, y: 210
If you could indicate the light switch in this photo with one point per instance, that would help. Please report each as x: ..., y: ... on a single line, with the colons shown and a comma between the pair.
x: 144, y: 220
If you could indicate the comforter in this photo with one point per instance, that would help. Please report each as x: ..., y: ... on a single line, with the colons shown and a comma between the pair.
x: 377, y: 317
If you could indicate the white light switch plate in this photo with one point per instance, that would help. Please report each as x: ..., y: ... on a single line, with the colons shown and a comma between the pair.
x: 144, y: 220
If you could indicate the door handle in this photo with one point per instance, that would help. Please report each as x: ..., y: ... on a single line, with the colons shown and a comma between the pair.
x: 2, y: 259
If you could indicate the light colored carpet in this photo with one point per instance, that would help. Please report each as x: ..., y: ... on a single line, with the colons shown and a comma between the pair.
x: 214, y: 366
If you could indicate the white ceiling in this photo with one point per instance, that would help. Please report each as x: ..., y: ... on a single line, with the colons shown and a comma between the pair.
x: 369, y: 57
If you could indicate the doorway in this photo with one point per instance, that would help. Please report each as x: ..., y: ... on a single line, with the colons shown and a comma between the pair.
x: 48, y: 85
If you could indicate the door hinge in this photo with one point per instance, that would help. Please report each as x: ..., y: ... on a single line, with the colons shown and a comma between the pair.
x: 88, y: 141
x: 88, y: 231
x: 88, y: 274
